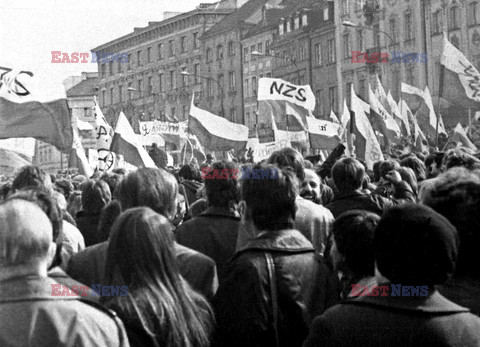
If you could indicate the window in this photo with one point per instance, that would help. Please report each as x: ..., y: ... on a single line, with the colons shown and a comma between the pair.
x: 231, y: 48
x: 149, y: 54
x: 120, y: 93
x: 360, y: 40
x: 301, y: 52
x: 437, y: 22
x: 85, y: 112
x: 129, y: 89
x: 184, y: 77
x: 280, y: 29
x: 454, y: 20
x: 183, y: 44
x: 171, y: 48
x: 472, y: 13
x: 410, y: 75
x: 362, y: 88
x: 289, y: 26
x: 139, y: 58
x: 325, y: 14
x: 172, y: 80
x: 252, y: 49
x: 160, y: 51
x: 393, y: 29
x: 348, y: 92
x: 219, y: 52
x: 267, y: 47
x: 319, y: 101
x: 408, y: 27
x: 396, y: 84
x: 344, y: 7
x: 160, y: 82
x: 233, y: 115
x: 161, y: 115
x: 196, y: 70
x: 173, y: 111
x: 111, y: 96
x: 119, y: 67
x: 304, y: 20
x: 376, y: 36
x: 196, y: 42
x: 296, y: 23
x: 150, y: 85
x: 209, y: 55
x: 347, y: 51
x: 221, y: 84
x: 318, y: 54
x: 245, y: 54
x: 129, y: 63
x: 103, y: 97
x: 254, y: 86
x: 332, y: 98
x: 260, y: 48
x: 331, y: 58
x: 231, y: 80
x: 246, y: 88
x: 209, y: 88
x: 139, y: 87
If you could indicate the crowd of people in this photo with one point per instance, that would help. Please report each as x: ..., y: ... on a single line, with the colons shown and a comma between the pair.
x: 323, y: 253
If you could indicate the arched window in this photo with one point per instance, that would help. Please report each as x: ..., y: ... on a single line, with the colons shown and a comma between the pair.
x: 219, y: 52
x: 209, y: 55
x: 454, y: 18
x: 231, y: 48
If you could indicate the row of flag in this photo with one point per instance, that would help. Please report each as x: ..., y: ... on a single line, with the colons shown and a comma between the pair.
x: 285, y: 108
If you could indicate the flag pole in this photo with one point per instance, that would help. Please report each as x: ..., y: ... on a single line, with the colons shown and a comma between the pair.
x: 469, y: 122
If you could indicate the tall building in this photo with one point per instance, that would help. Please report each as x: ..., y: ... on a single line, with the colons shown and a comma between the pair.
x: 144, y: 79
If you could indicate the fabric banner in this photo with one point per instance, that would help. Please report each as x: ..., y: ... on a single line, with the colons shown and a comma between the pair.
x: 323, y: 134
x: 280, y: 90
x: 379, y: 92
x: 216, y: 133
x: 263, y: 151
x: 333, y: 117
x: 25, y: 112
x: 459, y: 79
x: 388, y: 126
x: 419, y: 138
x: 162, y: 128
x: 366, y: 144
x: 77, y: 156
x: 126, y: 143
x: 23, y: 146
x: 460, y: 136
x: 412, y: 96
x: 406, y: 115
x: 104, y: 136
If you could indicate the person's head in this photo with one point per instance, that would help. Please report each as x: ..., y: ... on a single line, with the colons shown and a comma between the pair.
x: 64, y: 186
x: 348, y: 175
x: 310, y: 187
x: 141, y: 255
x: 74, y: 204
x: 416, y: 165
x: 352, y: 251
x: 458, y: 157
x: 26, y: 244
x: 455, y: 194
x: 271, y: 202
x: 433, y: 162
x: 95, y: 195
x: 209, y: 158
x: 113, y: 180
x: 289, y: 157
x: 32, y: 177
x: 224, y: 192
x: 385, y: 167
x: 149, y: 187
x: 414, y: 245
x: 188, y: 172
x: 408, y: 176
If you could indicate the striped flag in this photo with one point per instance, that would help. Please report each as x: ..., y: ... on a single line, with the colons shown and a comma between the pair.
x: 26, y: 111
x: 126, y: 143
x: 323, y: 134
x: 406, y: 115
x: 366, y: 144
x: 460, y: 136
x: 333, y: 117
x: 216, y: 133
x: 459, y: 79
x: 419, y: 138
x: 104, y: 135
x: 388, y: 126
x: 77, y: 156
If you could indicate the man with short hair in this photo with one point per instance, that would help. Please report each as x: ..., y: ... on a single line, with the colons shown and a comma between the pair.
x: 314, y: 190
x: 214, y: 232
x: 31, y: 315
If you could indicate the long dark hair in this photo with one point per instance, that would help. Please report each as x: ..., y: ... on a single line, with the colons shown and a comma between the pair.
x: 141, y: 255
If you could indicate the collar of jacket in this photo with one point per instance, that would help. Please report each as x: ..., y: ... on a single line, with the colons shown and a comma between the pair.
x: 348, y: 195
x: 434, y: 303
x: 214, y: 211
x: 286, y: 240
x: 30, y: 288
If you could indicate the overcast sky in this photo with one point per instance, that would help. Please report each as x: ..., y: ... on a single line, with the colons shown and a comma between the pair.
x: 31, y: 29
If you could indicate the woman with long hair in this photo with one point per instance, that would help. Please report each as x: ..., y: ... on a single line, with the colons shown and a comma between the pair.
x: 160, y: 308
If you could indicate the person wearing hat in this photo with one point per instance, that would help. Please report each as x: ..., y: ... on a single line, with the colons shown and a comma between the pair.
x: 415, y: 249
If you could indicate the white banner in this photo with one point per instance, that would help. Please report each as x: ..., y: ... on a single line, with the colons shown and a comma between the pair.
x: 277, y: 89
x: 264, y: 150
x: 152, y: 128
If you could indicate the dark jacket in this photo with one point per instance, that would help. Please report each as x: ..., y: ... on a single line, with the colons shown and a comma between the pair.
x: 213, y: 233
x: 396, y: 321
x: 243, y: 305
x: 31, y: 316
x: 198, y: 270
x: 88, y: 225
x: 375, y: 203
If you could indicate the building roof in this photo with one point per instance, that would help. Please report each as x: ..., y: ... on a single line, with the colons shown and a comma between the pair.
x: 85, y: 88
x: 236, y: 19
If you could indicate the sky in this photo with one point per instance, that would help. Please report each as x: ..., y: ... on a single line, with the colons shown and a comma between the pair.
x: 31, y: 29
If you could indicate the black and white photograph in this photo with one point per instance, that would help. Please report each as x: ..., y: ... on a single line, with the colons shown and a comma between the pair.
x: 239, y: 173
